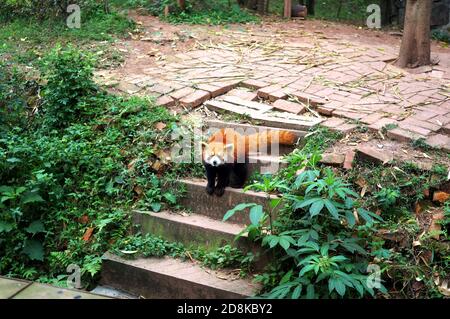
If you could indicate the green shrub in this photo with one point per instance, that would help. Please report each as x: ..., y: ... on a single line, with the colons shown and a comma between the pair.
x: 441, y: 35
x: 13, y: 100
x: 313, y: 237
x: 202, y: 12
x: 58, y: 185
x: 42, y: 9
x: 69, y: 86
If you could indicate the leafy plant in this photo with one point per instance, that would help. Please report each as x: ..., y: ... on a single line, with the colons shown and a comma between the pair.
x: 313, y: 234
x: 387, y: 197
x: 202, y: 12
x: 149, y: 245
x: 69, y: 86
x: 64, y: 192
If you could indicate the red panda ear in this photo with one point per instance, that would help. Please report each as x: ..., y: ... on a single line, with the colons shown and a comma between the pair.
x: 204, y: 144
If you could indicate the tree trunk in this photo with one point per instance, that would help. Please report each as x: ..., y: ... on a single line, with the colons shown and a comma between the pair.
x: 416, y: 46
x: 182, y: 4
x: 251, y: 4
x: 261, y: 6
x: 287, y: 8
x: 310, y: 5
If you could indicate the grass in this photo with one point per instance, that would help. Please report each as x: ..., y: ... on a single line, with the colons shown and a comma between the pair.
x: 27, y: 40
x: 351, y: 11
x: 149, y: 246
x: 214, y: 16
x: 215, y: 12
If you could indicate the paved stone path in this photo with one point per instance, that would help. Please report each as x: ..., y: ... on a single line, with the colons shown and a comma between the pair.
x: 22, y: 289
x: 337, y: 82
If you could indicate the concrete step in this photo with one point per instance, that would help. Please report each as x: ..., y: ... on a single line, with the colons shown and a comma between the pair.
x: 192, y: 229
x: 199, y: 202
x: 247, y: 129
x: 263, y: 113
x: 265, y: 164
x: 112, y: 293
x: 164, y: 278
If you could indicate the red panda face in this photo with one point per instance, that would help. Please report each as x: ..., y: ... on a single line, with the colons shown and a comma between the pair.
x: 216, y: 154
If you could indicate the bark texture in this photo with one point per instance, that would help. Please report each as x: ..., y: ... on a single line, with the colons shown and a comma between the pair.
x: 415, y: 49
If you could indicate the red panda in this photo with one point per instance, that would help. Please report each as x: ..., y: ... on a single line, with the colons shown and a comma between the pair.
x: 226, y: 153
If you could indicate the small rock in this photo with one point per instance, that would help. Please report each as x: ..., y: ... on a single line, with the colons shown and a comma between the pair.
x: 348, y: 160
x: 332, y: 159
x: 374, y: 155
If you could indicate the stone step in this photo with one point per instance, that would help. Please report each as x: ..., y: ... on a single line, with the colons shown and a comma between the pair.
x: 263, y: 113
x: 199, y: 202
x: 112, y: 293
x: 192, y: 230
x: 247, y: 129
x: 164, y: 278
x: 22, y: 289
x: 265, y: 164
x: 285, y: 120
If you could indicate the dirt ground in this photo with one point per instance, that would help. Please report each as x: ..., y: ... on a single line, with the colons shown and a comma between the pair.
x: 337, y: 62
x: 167, y: 39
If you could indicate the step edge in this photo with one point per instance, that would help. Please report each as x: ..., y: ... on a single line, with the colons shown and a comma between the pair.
x: 188, y: 221
x: 254, y: 287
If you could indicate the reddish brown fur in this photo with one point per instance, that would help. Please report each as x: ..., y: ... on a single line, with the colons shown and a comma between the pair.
x: 254, y: 142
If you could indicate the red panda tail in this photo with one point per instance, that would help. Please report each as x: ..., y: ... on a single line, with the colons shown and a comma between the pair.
x: 286, y: 138
x: 268, y: 137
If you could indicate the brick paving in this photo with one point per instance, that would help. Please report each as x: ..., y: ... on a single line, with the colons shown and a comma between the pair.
x: 337, y: 82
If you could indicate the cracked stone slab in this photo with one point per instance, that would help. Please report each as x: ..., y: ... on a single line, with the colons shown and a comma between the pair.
x: 286, y: 121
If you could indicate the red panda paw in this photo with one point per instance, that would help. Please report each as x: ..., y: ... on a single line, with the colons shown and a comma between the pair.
x: 209, y: 190
x: 220, y: 191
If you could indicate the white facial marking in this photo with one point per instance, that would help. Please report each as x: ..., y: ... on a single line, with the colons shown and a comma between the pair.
x: 214, y: 160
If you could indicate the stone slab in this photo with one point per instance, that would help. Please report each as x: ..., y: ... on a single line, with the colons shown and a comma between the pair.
x: 9, y: 287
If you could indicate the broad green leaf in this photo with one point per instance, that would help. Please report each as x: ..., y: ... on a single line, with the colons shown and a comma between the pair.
x: 35, y: 227
x: 5, y: 198
x: 274, y: 202
x: 368, y: 216
x: 339, y: 258
x: 359, y: 288
x: 33, y: 249
x: 5, y: 227
x: 239, y: 207
x: 324, y: 250
x: 256, y: 214
x: 340, y: 287
x: 306, y: 269
x: 287, y: 276
x: 310, y: 294
x: 331, y: 208
x: 171, y: 198
x: 348, y: 203
x: 6, y: 190
x: 310, y: 188
x: 274, y: 241
x: 307, y: 202
x: 284, y: 243
x: 331, y: 285
x: 31, y: 197
x: 297, y: 291
x: 350, y: 218
x: 316, y: 208
x: 313, y: 234
x: 310, y: 244
x: 156, y: 207
x: 13, y: 160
